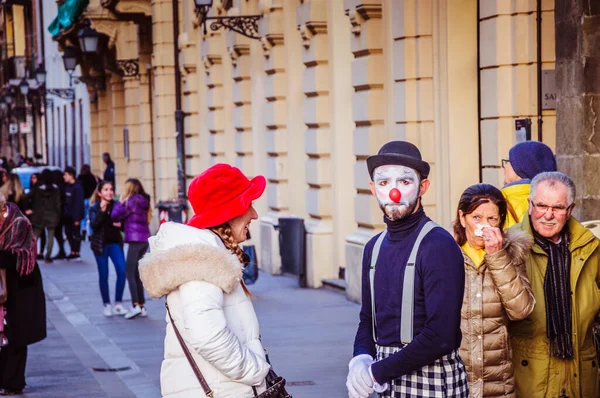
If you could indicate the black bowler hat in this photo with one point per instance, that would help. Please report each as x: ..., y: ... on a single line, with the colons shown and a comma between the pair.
x: 399, y: 153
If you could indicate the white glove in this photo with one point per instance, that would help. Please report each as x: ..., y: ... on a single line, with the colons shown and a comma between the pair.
x: 359, y: 381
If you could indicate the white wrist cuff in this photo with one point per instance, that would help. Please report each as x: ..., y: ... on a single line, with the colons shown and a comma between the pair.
x: 360, y: 357
x: 379, y: 388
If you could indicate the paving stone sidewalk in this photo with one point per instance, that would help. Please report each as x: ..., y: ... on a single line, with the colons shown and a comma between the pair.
x: 308, y: 333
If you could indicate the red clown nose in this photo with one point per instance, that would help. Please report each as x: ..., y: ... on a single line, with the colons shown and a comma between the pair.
x: 395, y: 195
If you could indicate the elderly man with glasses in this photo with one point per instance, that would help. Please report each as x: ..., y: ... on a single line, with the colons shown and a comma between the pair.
x: 553, y: 349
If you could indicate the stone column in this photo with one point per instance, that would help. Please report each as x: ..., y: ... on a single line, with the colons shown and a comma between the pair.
x: 578, y: 101
x: 127, y: 47
x: 132, y: 122
x: 215, y: 120
x: 238, y: 47
x: 145, y: 111
x: 95, y: 155
x: 105, y: 137
x: 193, y: 147
x: 312, y: 24
x: 164, y: 99
x: 275, y: 119
x: 368, y: 75
x: 118, y: 124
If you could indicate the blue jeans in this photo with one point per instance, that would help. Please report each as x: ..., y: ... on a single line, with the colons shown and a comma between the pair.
x: 86, y: 209
x: 113, y: 251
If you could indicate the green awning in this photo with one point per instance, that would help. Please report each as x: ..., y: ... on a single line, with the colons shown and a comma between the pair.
x: 68, y: 13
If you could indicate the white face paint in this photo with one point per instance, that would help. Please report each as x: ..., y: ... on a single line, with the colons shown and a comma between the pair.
x: 406, y: 180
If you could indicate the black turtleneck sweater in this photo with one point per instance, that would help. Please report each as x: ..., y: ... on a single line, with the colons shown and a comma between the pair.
x: 439, y: 288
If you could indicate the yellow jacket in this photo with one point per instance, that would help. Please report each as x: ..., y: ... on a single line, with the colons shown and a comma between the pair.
x: 516, y: 196
x: 538, y: 374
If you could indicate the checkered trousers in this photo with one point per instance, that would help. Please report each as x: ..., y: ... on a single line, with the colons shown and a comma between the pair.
x: 446, y: 377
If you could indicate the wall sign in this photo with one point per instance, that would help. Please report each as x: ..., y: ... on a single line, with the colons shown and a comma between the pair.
x: 548, y: 89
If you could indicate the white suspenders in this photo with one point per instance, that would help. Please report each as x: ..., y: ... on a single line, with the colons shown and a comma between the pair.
x: 408, y: 287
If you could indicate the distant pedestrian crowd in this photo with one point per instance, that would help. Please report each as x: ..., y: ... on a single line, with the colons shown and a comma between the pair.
x: 61, y: 205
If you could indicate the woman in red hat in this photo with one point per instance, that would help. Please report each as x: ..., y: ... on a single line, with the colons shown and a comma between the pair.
x: 198, y: 267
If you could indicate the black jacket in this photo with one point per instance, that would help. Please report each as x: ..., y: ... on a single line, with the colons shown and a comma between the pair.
x: 74, y: 201
x: 88, y: 183
x: 109, y: 172
x: 46, y: 205
x: 26, y: 304
x: 98, y: 222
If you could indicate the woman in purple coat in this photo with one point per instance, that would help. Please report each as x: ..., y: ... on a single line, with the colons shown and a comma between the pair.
x: 134, y: 212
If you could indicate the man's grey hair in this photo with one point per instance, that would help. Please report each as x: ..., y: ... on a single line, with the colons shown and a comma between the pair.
x: 552, y: 178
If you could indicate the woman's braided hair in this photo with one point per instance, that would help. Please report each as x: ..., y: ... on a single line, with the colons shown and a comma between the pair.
x: 224, y: 232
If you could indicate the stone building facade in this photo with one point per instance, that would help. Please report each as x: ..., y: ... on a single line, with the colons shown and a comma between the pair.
x: 326, y: 83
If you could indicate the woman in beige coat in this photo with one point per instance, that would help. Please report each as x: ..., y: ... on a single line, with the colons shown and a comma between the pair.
x: 496, y: 289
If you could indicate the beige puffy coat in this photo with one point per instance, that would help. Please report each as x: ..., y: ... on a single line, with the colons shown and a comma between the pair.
x: 495, y: 293
x: 201, y: 280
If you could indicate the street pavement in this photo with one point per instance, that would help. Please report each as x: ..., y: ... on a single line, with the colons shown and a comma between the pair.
x: 308, y: 334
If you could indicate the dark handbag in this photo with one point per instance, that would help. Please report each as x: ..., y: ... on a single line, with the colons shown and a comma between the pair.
x: 275, y: 384
x: 251, y: 269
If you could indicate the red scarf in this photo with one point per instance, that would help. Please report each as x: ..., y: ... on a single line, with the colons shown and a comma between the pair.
x: 16, y: 236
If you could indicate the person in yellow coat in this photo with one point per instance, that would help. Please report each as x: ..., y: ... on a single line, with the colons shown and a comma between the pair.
x: 553, y: 350
x: 525, y: 161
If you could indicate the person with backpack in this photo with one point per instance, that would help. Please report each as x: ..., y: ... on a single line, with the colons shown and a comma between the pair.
x: 73, y: 211
x: 88, y: 182
x: 46, y: 207
x: 134, y: 212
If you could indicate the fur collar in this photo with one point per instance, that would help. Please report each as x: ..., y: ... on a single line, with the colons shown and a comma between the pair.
x: 163, y: 271
x: 517, y: 244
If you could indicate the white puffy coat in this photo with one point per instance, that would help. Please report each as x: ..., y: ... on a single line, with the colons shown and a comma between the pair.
x: 201, y: 279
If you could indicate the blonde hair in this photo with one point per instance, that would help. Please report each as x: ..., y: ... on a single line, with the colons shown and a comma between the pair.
x: 13, y: 187
x: 95, y: 197
x: 133, y: 186
x: 224, y: 232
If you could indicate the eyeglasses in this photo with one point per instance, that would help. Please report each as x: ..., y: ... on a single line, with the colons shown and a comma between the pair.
x: 504, y: 162
x: 558, y: 210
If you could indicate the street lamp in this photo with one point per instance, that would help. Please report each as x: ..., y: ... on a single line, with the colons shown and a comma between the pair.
x: 24, y: 87
x: 70, y: 59
x: 88, y: 38
x: 40, y: 75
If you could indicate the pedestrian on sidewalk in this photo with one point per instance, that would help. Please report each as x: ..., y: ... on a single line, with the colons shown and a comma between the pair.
x: 88, y: 182
x: 73, y: 211
x: 109, y: 172
x: 410, y: 316
x: 46, y: 210
x: 107, y: 242
x: 134, y: 211
x: 525, y: 161
x: 199, y: 268
x: 33, y: 183
x: 57, y: 177
x: 22, y: 296
x: 497, y: 289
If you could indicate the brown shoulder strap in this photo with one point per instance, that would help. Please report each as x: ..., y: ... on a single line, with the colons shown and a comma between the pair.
x: 207, y: 391
x: 512, y: 211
